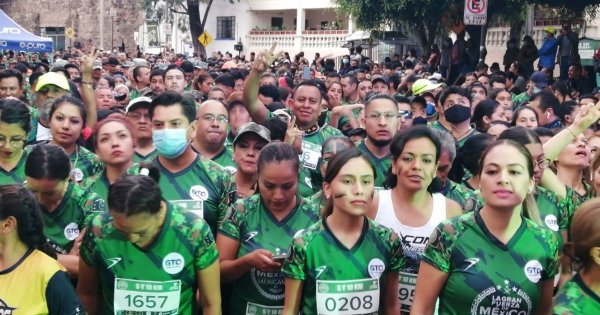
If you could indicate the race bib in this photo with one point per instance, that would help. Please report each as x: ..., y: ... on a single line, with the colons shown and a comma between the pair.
x: 406, y: 290
x: 257, y: 309
x: 195, y: 206
x: 348, y: 297
x: 149, y: 297
x: 310, y: 155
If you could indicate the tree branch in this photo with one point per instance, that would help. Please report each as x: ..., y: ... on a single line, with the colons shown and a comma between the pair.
x: 176, y: 11
x: 203, y: 22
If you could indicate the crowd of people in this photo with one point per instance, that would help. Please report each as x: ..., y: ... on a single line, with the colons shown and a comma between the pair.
x: 277, y: 185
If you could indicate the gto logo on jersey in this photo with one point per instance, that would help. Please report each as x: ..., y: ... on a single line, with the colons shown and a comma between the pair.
x: 71, y: 231
x: 533, y: 270
x: 551, y: 222
x: 198, y: 192
x: 376, y: 268
x: 173, y: 263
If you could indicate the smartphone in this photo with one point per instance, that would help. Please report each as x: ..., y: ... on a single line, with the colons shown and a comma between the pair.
x: 280, y: 258
x: 306, y: 73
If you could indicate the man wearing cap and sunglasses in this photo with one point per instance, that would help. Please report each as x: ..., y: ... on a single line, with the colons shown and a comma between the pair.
x: 137, y: 113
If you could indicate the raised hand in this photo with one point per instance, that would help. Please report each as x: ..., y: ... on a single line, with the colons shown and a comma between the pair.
x: 264, y: 59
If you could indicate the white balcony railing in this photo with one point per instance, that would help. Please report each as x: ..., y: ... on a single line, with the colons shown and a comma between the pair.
x: 287, y: 39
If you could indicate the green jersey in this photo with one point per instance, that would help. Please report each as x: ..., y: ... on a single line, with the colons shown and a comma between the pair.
x: 84, y: 164
x: 486, y: 276
x: 467, y: 199
x: 16, y: 175
x: 33, y: 123
x: 576, y: 298
x: 138, y: 158
x: 382, y: 165
x: 339, y: 280
x: 225, y: 159
x: 62, y: 226
x: 204, y: 187
x: 97, y: 184
x: 251, y: 224
x: 158, y: 279
x: 553, y: 212
x: 459, y: 142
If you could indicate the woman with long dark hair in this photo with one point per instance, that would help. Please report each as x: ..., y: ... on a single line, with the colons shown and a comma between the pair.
x: 31, y: 282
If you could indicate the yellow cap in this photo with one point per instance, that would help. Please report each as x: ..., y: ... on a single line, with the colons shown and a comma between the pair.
x: 550, y: 30
x: 52, y: 78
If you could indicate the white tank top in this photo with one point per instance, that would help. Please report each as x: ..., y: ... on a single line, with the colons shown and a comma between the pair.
x: 414, y: 240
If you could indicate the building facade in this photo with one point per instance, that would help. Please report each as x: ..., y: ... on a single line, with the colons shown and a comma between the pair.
x: 105, y: 24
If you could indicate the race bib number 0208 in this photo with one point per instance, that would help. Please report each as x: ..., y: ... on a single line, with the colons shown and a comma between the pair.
x: 146, y: 297
x: 349, y: 297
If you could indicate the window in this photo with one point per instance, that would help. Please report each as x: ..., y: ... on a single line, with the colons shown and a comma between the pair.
x: 226, y: 27
x: 58, y: 36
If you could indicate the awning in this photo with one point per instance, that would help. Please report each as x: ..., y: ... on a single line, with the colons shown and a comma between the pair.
x: 14, y: 37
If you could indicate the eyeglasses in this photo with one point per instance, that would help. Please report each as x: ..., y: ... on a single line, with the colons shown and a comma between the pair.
x: 377, y: 116
x: 406, y: 114
x: 14, y: 142
x: 210, y: 118
x: 138, y: 116
x: 542, y: 164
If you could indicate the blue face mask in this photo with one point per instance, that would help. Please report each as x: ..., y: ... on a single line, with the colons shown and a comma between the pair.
x: 170, y: 143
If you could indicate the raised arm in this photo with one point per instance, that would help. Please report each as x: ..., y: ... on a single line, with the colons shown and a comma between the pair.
x: 87, y: 86
x: 255, y: 107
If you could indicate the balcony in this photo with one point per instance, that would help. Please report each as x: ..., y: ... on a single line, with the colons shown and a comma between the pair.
x: 311, y: 39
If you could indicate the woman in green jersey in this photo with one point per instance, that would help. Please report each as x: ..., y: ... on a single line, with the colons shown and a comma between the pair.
x: 581, y: 295
x: 570, y: 151
x: 345, y: 263
x: 67, y: 120
x: 257, y: 231
x: 113, y: 140
x: 31, y: 282
x: 247, y: 144
x: 66, y: 207
x: 14, y: 127
x: 493, y: 260
x: 146, y: 255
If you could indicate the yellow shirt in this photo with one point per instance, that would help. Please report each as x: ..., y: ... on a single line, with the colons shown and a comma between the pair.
x: 23, y: 287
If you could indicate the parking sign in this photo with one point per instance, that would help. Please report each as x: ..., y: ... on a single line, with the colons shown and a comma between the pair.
x: 476, y: 12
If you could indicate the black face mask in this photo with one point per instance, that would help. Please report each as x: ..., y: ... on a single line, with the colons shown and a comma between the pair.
x: 120, y: 97
x: 457, y: 114
x: 419, y: 121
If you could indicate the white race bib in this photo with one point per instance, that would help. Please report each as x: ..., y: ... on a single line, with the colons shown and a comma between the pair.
x: 159, y: 298
x: 310, y: 155
x: 348, y: 297
x: 195, y: 206
x: 257, y: 309
x: 406, y: 289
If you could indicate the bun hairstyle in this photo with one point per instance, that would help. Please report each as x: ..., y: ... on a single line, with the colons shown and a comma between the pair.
x: 134, y: 194
x: 468, y: 156
x: 584, y: 233
x: 48, y: 161
x: 18, y: 202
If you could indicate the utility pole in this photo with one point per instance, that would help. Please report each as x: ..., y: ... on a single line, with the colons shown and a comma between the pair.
x: 101, y: 24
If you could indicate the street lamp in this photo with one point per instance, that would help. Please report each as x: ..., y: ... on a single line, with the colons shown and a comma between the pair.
x: 239, y: 47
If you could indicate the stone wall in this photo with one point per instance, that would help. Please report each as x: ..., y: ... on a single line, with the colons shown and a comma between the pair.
x: 83, y: 16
